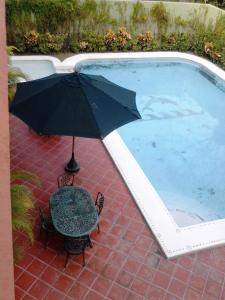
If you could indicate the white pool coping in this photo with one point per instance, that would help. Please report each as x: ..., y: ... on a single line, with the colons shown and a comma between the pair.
x: 174, y: 240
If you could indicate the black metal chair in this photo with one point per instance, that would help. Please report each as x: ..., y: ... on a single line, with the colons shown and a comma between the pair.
x: 46, y: 226
x: 76, y: 246
x: 99, y: 202
x: 65, y: 179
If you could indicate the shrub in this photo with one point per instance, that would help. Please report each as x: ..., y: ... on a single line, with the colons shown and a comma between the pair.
x: 43, y: 42
x: 176, y: 42
x: 31, y: 39
x: 144, y: 40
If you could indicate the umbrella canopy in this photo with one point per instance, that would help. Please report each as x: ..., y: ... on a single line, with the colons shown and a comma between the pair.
x: 74, y: 104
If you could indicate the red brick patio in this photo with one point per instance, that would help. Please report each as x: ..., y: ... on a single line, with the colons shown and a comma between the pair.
x: 126, y: 261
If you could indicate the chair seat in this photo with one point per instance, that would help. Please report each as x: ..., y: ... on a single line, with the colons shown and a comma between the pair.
x: 76, y: 246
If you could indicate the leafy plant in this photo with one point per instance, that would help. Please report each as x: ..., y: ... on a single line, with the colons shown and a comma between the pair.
x: 160, y: 16
x: 22, y: 203
x: 145, y: 40
x: 139, y: 14
x: 13, y: 74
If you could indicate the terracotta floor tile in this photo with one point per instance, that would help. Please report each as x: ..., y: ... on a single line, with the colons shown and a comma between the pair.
x: 25, y: 281
x: 50, y: 275
x: 166, y: 266
x: 58, y: 262
x: 177, y: 288
x: 36, y: 267
x: 17, y: 272
x: 26, y: 261
x: 146, y: 273
x: 201, y: 269
x: 73, y: 269
x: 132, y: 266
x: 78, y: 291
x: 47, y: 255
x: 133, y: 296
x: 117, y: 259
x: 102, y: 252
x: 197, y: 282
x: 87, y: 277
x: 216, y: 275
x: 109, y: 272
x: 181, y: 273
x: 155, y: 293
x: 161, y: 279
x: 124, y: 278
x: 92, y: 295
x: 213, y: 289
x: 18, y: 293
x: 95, y: 264
x: 192, y: 295
x: 29, y: 297
x: 63, y: 283
x: 117, y: 230
x: 117, y: 292
x: 172, y: 297
x: 139, y: 287
x: 39, y: 289
x: 102, y: 285
x: 186, y: 262
x: 152, y: 261
x: 54, y: 295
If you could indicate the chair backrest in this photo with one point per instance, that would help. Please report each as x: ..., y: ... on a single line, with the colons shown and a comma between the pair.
x: 99, y: 202
x: 42, y: 216
x: 46, y: 221
x: 65, y: 179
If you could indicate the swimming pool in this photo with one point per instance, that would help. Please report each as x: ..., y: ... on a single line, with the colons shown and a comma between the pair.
x: 172, y: 160
x: 180, y: 142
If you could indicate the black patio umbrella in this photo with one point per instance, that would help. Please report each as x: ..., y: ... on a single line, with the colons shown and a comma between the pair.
x: 74, y: 104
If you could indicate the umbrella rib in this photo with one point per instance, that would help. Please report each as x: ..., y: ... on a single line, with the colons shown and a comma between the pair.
x: 92, y: 114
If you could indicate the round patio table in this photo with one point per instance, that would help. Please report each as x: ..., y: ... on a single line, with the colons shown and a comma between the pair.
x: 73, y: 211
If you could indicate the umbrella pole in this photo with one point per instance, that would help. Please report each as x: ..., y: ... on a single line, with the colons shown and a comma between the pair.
x: 72, y: 165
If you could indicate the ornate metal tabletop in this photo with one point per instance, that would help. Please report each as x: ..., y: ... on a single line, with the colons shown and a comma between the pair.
x: 73, y: 211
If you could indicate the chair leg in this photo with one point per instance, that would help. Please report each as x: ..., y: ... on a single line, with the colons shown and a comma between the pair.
x: 83, y: 258
x: 67, y: 258
x: 90, y: 242
x: 46, y: 240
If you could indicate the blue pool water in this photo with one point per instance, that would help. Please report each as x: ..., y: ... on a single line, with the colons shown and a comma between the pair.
x: 180, y: 143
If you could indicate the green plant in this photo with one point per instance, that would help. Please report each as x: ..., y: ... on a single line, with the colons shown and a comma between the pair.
x: 13, y: 74
x: 139, y: 14
x: 180, y: 23
x: 121, y: 9
x: 176, y: 42
x: 43, y: 42
x: 31, y: 39
x: 123, y: 39
x: 22, y: 203
x: 145, y: 40
x: 160, y: 16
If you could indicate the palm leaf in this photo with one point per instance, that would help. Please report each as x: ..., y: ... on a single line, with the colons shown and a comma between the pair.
x: 24, y: 225
x: 24, y: 175
x: 22, y: 203
x: 13, y: 74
